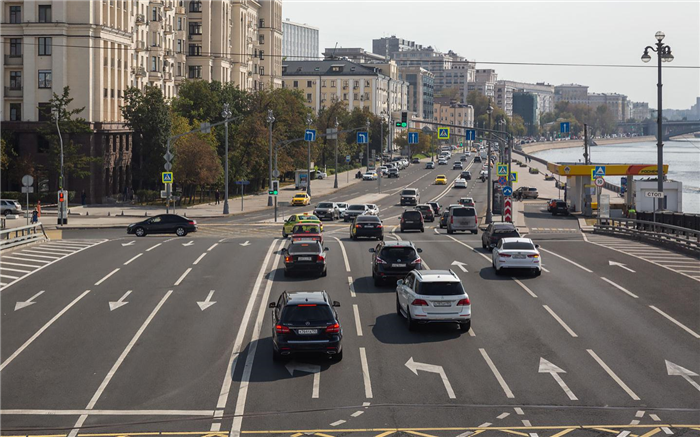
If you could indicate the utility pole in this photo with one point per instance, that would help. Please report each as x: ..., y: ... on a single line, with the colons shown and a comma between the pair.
x: 226, y: 114
x: 61, y: 209
x: 270, y: 120
x: 309, y: 120
x: 335, y: 184
x: 585, y: 144
x: 489, y: 197
x: 367, y: 124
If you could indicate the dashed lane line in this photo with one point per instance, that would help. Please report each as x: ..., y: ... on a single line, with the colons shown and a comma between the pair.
x: 132, y: 259
x: 358, y: 324
x: 107, y: 276
x: 613, y: 375
x: 561, y: 322
x: 620, y: 287
x: 568, y: 260
x: 676, y: 322
x: 184, y: 275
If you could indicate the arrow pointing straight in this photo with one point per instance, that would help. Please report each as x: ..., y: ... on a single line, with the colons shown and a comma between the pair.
x: 207, y: 302
x: 120, y: 303
x: 130, y: 243
x: 614, y: 263
x: 247, y: 243
x: 676, y: 370
x: 461, y: 265
x: 415, y: 367
x: 547, y: 367
x: 30, y: 301
x: 188, y: 244
x: 308, y: 368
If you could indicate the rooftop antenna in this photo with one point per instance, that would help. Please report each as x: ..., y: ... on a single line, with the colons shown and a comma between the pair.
x: 334, y: 49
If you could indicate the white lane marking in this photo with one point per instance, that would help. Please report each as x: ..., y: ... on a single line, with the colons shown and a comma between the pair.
x: 568, y: 260
x: 561, y: 322
x: 120, y: 303
x: 351, y: 287
x: 338, y: 422
x: 502, y: 416
x: 212, y: 246
x: 524, y: 287
x: 666, y: 430
x: 682, y: 326
x: 55, y: 250
x: 357, y: 413
x: 188, y: 244
x: 484, y: 425
x: 497, y: 374
x: 621, y: 265
x: 545, y: 269
x: 623, y: 434
x: 612, y: 374
x: 365, y: 375
x: 7, y: 269
x: 28, y: 302
x: 132, y: 259
x: 187, y: 272
x: 43, y: 412
x: 5, y: 263
x: 526, y: 422
x: 639, y: 414
x: 554, y: 370
x: 199, y: 259
x: 519, y: 411
x: 366, y: 404
x: 153, y: 247
x: 33, y: 254
x: 26, y: 259
x: 620, y: 288
x: 253, y: 346
x: 358, y: 324
x: 215, y: 427
x: 207, y: 302
x: 41, y: 330
x: 655, y: 418
x: 345, y: 254
x: 9, y: 276
x: 634, y: 422
x: 471, y: 332
x: 436, y: 231
x: 117, y: 364
x: 107, y: 276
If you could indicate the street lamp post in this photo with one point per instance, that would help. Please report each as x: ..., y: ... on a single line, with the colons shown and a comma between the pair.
x: 226, y: 114
x: 335, y: 184
x: 270, y: 120
x: 367, y: 124
x: 489, y: 217
x: 309, y: 120
x: 61, y: 214
x: 664, y: 54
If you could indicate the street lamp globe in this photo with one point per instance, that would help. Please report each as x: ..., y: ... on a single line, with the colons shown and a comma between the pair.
x: 270, y: 116
x: 660, y: 36
x: 226, y: 113
x: 309, y: 120
x: 646, y: 57
x: 489, y: 110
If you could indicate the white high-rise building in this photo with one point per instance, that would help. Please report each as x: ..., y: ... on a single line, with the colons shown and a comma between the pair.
x: 299, y: 42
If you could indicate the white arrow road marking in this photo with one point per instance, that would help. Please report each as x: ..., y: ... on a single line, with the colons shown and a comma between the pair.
x: 308, y: 368
x: 247, y: 243
x: 207, y: 302
x: 120, y: 303
x: 415, y: 367
x: 676, y: 370
x: 548, y: 367
x: 130, y: 243
x: 613, y: 263
x: 461, y: 265
x: 188, y: 244
x: 30, y: 301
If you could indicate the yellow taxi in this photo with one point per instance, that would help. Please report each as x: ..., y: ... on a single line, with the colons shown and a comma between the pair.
x: 441, y: 180
x: 296, y: 219
x: 301, y: 199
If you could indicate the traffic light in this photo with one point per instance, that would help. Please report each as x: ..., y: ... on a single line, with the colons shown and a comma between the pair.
x: 275, y: 188
x: 404, y: 120
x: 60, y: 197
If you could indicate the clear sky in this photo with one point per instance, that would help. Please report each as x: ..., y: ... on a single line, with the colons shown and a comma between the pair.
x: 523, y: 31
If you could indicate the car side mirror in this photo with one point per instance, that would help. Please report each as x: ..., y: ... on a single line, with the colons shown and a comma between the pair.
x: 284, y: 250
x: 399, y: 282
x: 419, y: 250
x: 325, y: 249
x: 336, y: 303
x: 272, y: 305
x: 537, y: 246
x: 371, y: 250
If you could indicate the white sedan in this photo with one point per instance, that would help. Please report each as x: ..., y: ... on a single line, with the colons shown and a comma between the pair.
x: 321, y: 175
x: 369, y: 176
x: 460, y: 183
x: 516, y: 253
x: 373, y: 209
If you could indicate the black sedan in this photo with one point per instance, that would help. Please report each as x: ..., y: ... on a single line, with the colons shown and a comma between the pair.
x: 305, y: 256
x: 163, y: 224
x: 427, y: 211
x: 560, y: 207
x: 495, y: 231
x: 393, y: 260
x: 367, y: 226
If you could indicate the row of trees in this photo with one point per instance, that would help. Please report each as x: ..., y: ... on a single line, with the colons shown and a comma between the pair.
x: 600, y: 120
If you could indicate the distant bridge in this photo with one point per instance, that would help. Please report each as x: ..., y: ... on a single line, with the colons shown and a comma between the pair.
x: 671, y: 128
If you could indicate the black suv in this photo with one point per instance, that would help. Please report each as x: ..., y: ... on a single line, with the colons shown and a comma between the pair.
x: 560, y: 207
x: 427, y: 211
x: 495, y: 231
x: 412, y: 219
x: 367, y: 226
x: 393, y: 260
x: 306, y: 322
x: 305, y: 256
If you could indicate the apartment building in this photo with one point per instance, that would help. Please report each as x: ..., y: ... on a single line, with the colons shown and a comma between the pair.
x: 616, y: 103
x: 484, y: 82
x: 300, y: 42
x: 354, y: 54
x: 376, y: 87
x: 420, y: 92
x: 454, y: 113
x: 572, y: 93
x: 386, y: 46
x: 525, y: 105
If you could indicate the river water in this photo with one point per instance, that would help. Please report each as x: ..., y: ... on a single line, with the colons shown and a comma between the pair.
x: 682, y: 158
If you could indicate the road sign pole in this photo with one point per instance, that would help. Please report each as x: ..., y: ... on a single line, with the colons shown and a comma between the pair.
x: 226, y: 210
x: 335, y: 184
x: 275, y: 209
x: 242, y: 195
x: 167, y: 187
x: 270, y: 120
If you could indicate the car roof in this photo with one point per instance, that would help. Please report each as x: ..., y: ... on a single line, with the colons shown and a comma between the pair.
x: 403, y: 243
x: 504, y: 226
x: 437, y: 276
x: 301, y: 297
x: 300, y: 194
x: 516, y: 240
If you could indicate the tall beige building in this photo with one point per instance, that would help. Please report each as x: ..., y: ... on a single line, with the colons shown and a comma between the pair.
x: 454, y: 113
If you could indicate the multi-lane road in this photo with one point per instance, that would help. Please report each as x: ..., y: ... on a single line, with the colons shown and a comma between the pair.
x: 108, y: 334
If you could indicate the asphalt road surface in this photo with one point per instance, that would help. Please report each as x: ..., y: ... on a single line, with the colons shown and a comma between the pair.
x: 112, y: 335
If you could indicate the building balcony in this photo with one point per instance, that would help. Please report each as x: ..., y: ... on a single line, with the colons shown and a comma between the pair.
x: 140, y: 19
x: 168, y: 6
x: 140, y: 46
x: 180, y: 10
x: 13, y: 60
x: 169, y: 53
x: 155, y: 48
x: 168, y: 76
x: 14, y: 92
x: 138, y: 71
x: 155, y: 75
x: 156, y: 2
x: 168, y: 29
x: 180, y: 77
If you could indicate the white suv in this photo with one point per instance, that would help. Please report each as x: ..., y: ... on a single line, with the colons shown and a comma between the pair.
x: 433, y: 296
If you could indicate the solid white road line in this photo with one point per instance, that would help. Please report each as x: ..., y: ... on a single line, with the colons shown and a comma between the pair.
x: 345, y: 254
x: 568, y: 260
x: 29, y: 412
x: 41, y: 330
x: 351, y: 287
x: 612, y: 374
x: 115, y: 367
x: 358, y: 324
x: 338, y: 422
x: 497, y: 374
x: 107, y: 276
x: 561, y: 322
x: 153, y: 247
x: 619, y: 287
x: 236, y: 350
x: 365, y: 373
x: 199, y: 259
x: 129, y: 262
x: 187, y: 272
x: 682, y: 326
x: 524, y: 287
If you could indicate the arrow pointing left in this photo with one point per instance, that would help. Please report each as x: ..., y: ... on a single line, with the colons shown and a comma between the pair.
x: 547, y: 367
x: 415, y: 367
x: 207, y: 302
x: 120, y: 303
x: 30, y: 301
x: 308, y: 368
x: 247, y: 243
x: 676, y: 370
x: 461, y: 265
x: 614, y: 263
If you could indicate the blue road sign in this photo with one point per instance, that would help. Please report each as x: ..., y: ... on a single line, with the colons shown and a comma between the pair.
x: 564, y: 127
x: 167, y: 177
x: 443, y: 133
x: 362, y: 138
x: 413, y: 138
x: 310, y: 135
x: 242, y: 182
x: 470, y: 134
x: 514, y: 176
x: 623, y: 189
x: 502, y: 180
x: 507, y: 191
x: 599, y: 171
x: 347, y: 158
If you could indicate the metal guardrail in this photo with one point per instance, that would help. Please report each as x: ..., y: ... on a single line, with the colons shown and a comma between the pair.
x: 22, y: 235
x: 683, y: 238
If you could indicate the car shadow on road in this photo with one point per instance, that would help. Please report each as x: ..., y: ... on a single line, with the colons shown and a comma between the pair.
x: 365, y: 284
x: 392, y: 329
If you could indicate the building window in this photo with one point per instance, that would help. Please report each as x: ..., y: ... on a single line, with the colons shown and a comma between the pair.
x: 195, y: 6
x: 154, y: 63
x: 308, y: 98
x: 15, y: 80
x: 332, y: 83
x: 261, y: 39
x: 296, y: 84
x: 44, y: 112
x: 262, y: 22
x: 309, y: 84
x: 44, y: 78
x: 179, y: 46
x: 15, y: 47
x: 323, y: 84
x: 44, y: 13
x: 15, y: 111
x: 195, y: 28
x: 44, y: 46
x: 195, y: 50
x: 179, y: 23
x: 104, y: 93
x: 15, y: 14
x: 262, y: 70
x: 195, y: 72
x: 154, y: 14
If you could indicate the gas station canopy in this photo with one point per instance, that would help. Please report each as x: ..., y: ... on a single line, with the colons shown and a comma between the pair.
x: 577, y: 169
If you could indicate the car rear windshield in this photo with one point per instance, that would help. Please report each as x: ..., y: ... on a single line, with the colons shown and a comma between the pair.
x: 561, y: 204
x: 440, y: 288
x: 325, y: 205
x: 368, y: 219
x: 304, y: 248
x: 300, y: 314
x: 395, y: 253
x: 464, y: 212
x: 356, y: 207
x: 412, y: 215
x: 518, y: 245
x: 393, y: 170
x: 306, y: 229
x: 424, y: 207
x: 408, y: 193
x: 507, y: 233
x: 532, y: 189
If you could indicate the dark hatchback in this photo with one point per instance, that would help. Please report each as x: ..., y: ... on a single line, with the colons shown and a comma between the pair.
x: 393, y: 260
x: 427, y: 211
x: 495, y: 231
x: 306, y: 323
x: 367, y: 226
x: 444, y: 218
x: 412, y: 219
x: 436, y: 208
x: 163, y: 224
x: 305, y: 256
x: 560, y: 208
x: 467, y: 175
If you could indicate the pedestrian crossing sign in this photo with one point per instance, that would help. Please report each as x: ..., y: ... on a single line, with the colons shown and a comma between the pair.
x: 502, y: 169
x: 514, y: 176
x: 167, y: 177
x: 443, y: 133
x: 598, y: 171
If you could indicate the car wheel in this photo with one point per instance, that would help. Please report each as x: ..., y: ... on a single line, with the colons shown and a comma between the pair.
x: 381, y: 238
x: 422, y: 229
x: 483, y: 245
x: 337, y: 357
x: 537, y: 272
x: 180, y: 232
x: 140, y: 232
x: 465, y: 326
x: 324, y: 273
x: 409, y: 321
x: 403, y: 230
x: 7, y: 212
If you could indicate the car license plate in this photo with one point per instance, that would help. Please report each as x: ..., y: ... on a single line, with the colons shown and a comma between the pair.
x: 519, y: 256
x: 398, y: 265
x: 409, y: 221
x: 369, y: 226
x: 442, y: 304
x: 307, y: 331
x: 304, y: 258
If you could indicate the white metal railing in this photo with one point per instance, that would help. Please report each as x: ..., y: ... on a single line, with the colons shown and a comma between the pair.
x: 22, y: 235
x: 658, y: 232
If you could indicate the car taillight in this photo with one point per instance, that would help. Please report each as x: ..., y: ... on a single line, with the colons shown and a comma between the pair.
x: 358, y: 226
x: 463, y: 302
x: 419, y: 303
x: 333, y: 329
x: 452, y: 219
x: 504, y: 255
x: 417, y: 261
x: 192, y: 222
x: 281, y: 329
x: 320, y: 258
x: 402, y: 219
x: 287, y: 259
x: 533, y: 256
x: 380, y: 261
